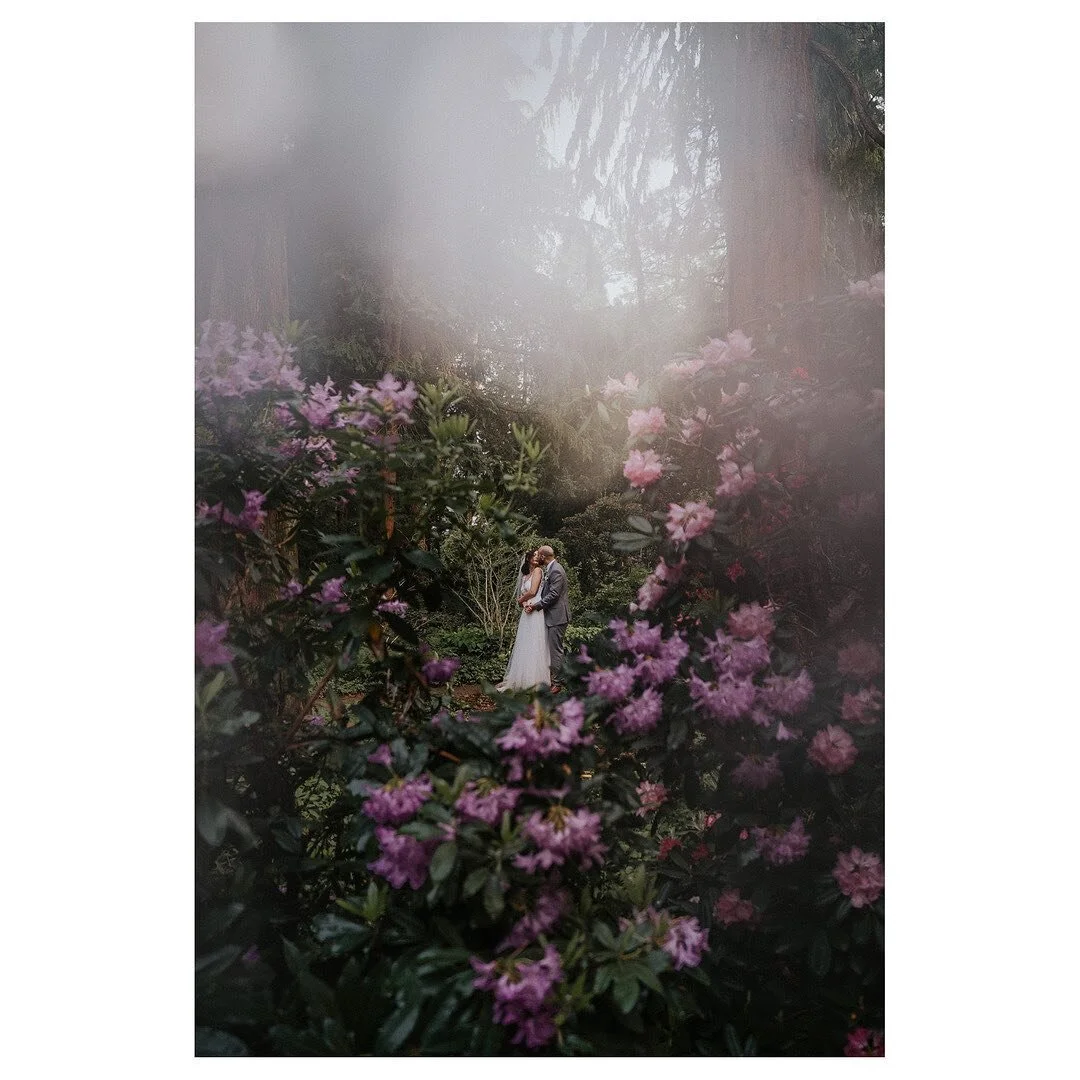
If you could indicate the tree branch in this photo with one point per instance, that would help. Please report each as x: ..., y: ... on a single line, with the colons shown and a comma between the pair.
x: 858, y: 93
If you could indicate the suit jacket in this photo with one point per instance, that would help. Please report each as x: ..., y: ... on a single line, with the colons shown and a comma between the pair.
x: 554, y: 598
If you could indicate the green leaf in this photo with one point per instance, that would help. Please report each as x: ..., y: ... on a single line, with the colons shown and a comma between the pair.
x: 218, y: 920
x: 604, y: 976
x: 640, y: 524
x: 625, y: 991
x: 442, y: 862
x: 731, y: 1041
x: 604, y: 414
x: 475, y: 881
x: 645, y: 975
x: 493, y: 896
x: 237, y: 722
x: 397, y: 1028
x: 629, y: 541
x: 425, y: 560
x: 319, y: 997
x: 338, y: 934
x: 212, y: 1043
x: 820, y: 954
x: 677, y: 732
x: 602, y: 933
x: 216, y: 962
x: 211, y: 690
x: 211, y: 820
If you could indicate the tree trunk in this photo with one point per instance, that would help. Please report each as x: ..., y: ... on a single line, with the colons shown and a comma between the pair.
x: 774, y: 196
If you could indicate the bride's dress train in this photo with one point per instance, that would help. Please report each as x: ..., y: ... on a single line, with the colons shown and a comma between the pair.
x: 529, y: 661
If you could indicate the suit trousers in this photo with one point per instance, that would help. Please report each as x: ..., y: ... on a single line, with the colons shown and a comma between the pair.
x: 555, y: 636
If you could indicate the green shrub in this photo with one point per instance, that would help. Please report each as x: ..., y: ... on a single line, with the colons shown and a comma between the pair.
x: 479, y: 653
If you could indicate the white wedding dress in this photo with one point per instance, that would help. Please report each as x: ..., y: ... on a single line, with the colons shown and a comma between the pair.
x: 530, y: 662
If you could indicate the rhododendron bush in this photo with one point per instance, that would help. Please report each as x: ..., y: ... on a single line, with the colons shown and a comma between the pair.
x: 680, y: 853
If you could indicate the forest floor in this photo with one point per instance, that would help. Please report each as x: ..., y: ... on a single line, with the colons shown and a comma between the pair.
x: 469, y: 695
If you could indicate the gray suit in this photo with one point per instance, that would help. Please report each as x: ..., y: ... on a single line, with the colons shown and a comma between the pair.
x: 554, y: 600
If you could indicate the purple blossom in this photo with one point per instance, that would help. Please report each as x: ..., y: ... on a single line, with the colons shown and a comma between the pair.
x: 291, y: 590
x: 251, y: 957
x: 486, y: 801
x: 778, y: 845
x: 652, y: 797
x: 381, y: 756
x: 331, y: 595
x: 726, y: 700
x: 438, y: 672
x: 393, y: 607
x: 751, y: 621
x: 662, y: 664
x: 522, y: 993
x: 685, y: 942
x: 397, y: 800
x: 613, y: 684
x: 402, y: 858
x: 560, y: 834
x: 539, y: 733
x: 641, y: 638
x: 317, y: 720
x: 225, y: 369
x: 395, y: 397
x: 786, y: 694
x: 321, y: 405
x: 640, y: 715
x: 551, y: 905
x: 210, y: 647
x: 739, y: 659
x: 755, y: 773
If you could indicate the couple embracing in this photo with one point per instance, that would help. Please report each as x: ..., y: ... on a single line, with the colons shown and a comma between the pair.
x: 543, y: 597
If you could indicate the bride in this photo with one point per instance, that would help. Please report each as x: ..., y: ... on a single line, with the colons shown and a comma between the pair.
x: 529, y: 660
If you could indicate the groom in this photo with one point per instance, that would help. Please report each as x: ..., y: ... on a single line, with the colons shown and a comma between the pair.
x: 553, y: 600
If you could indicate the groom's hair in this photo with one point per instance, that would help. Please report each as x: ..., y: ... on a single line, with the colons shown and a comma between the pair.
x: 546, y: 550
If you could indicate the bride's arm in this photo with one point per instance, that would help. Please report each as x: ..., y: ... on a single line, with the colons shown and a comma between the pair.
x: 534, y: 587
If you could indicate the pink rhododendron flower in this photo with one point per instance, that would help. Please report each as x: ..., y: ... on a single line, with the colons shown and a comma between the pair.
x: 551, y: 905
x: 560, y: 834
x: 731, y: 908
x: 862, y: 660
x: 646, y: 422
x: 863, y: 1042
x: 735, y: 479
x: 522, y: 994
x: 684, y: 942
x: 614, y: 684
x: 656, y: 584
x: 539, y: 733
x: 381, y: 756
x: 210, y: 647
x: 486, y: 801
x: 402, y: 859
x: 778, y: 845
x: 751, y: 621
x: 667, y: 846
x: 614, y: 388
x: 392, y: 607
x: 683, y: 369
x: 639, y: 715
x: 652, y: 797
x: 862, y: 707
x: 833, y: 750
x: 331, y: 595
x: 320, y: 406
x: 727, y: 700
x: 756, y: 773
x: 686, y: 522
x: 397, y: 800
x: 860, y: 875
x: 643, y: 468
x: 735, y: 571
x: 786, y: 694
x: 739, y: 346
x: 874, y: 289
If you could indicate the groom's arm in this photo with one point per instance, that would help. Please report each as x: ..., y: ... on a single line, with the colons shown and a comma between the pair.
x: 556, y: 582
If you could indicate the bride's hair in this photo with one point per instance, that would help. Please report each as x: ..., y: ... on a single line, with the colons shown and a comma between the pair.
x: 526, y: 562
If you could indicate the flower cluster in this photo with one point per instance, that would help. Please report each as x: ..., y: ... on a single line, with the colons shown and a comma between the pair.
x: 331, y: 595
x: 756, y: 773
x: 560, y: 834
x: 751, y: 621
x: 523, y: 995
x: 787, y: 694
x: 614, y: 388
x: 863, y: 1042
x: 639, y: 715
x: 731, y: 908
x: 402, y: 858
x: 680, y: 936
x: 860, y: 660
x: 224, y: 368
x: 210, y: 647
x: 656, y: 585
x: 860, y: 875
x: 397, y: 800
x: 643, y: 422
x: 778, y: 845
x: 652, y: 797
x: 613, y: 684
x: 735, y: 479
x: 486, y: 801
x: 252, y: 517
x: 862, y: 707
x: 392, y: 607
x: 874, y: 289
x: 538, y: 733
x: 438, y: 672
x: 833, y: 750
x: 643, y: 468
x: 685, y: 522
x: 551, y: 905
